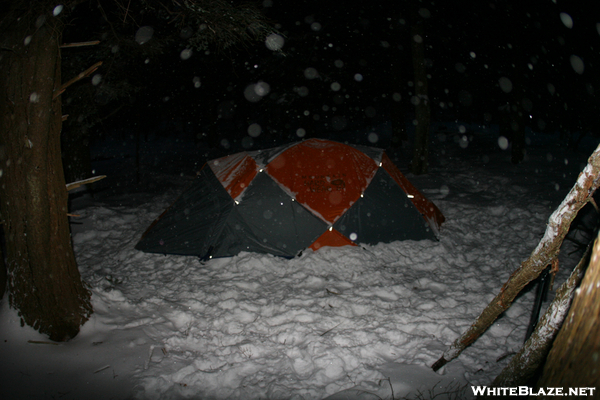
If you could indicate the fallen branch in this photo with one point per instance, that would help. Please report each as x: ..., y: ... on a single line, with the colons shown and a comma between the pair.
x: 573, y: 359
x: 82, y: 75
x: 523, y: 366
x: 79, y: 44
x: 75, y: 185
x: 543, y: 255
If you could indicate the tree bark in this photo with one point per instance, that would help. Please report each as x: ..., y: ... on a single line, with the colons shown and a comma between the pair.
x: 44, y: 283
x: 574, y: 360
x: 420, y: 161
x: 546, y: 251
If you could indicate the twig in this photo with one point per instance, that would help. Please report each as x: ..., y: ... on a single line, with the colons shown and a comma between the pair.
x: 101, y: 369
x: 41, y: 342
x: 82, y: 75
x: 79, y: 44
x: 126, y: 11
x: 212, y: 370
x: 75, y: 185
x: 327, y: 331
x: 453, y: 392
x: 391, y: 387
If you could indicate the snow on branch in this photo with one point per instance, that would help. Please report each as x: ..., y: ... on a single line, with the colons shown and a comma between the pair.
x: 527, y: 361
x: 543, y: 255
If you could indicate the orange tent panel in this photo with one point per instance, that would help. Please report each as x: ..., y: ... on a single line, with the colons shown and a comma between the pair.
x: 324, y: 176
x: 331, y: 238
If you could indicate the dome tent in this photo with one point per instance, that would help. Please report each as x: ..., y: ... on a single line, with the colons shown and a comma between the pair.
x: 283, y: 200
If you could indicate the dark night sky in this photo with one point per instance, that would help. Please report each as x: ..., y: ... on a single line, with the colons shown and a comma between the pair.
x: 468, y: 49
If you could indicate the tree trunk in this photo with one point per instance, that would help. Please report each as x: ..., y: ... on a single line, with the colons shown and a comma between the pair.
x: 44, y: 283
x: 420, y: 161
x: 574, y: 360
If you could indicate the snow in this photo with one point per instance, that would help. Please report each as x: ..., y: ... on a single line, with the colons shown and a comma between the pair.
x: 338, y: 323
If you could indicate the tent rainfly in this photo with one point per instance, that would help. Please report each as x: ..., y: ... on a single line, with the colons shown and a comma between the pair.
x: 283, y: 200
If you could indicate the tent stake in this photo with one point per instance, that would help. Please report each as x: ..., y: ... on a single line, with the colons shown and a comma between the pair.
x: 540, y: 296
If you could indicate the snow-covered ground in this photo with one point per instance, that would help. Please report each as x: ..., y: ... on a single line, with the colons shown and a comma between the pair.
x: 360, y: 321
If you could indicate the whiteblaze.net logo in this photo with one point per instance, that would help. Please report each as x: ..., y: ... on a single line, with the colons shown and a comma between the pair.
x: 529, y: 391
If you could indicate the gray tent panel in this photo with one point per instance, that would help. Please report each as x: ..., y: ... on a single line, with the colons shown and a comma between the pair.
x: 263, y: 157
x: 380, y: 215
x: 235, y: 237
x: 268, y: 220
x: 194, y: 222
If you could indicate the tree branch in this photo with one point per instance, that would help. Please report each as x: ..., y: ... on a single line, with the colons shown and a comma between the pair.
x: 79, y: 44
x: 527, y: 361
x: 82, y: 75
x: 75, y: 185
x: 546, y: 251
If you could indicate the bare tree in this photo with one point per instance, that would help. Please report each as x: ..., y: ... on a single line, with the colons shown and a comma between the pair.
x: 44, y: 282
